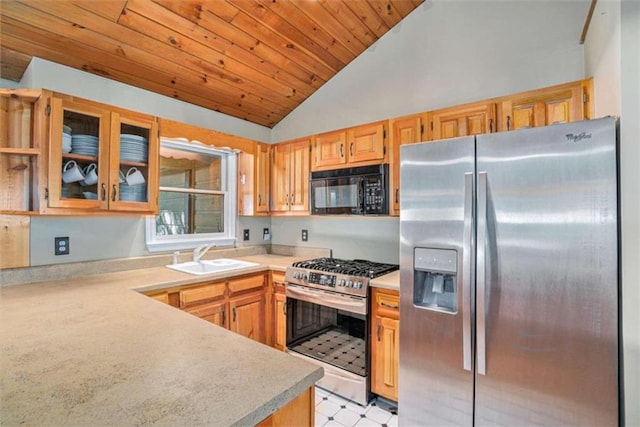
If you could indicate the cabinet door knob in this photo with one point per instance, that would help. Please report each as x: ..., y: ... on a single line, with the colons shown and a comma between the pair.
x: 378, y: 327
x: 233, y: 310
x: 104, y: 192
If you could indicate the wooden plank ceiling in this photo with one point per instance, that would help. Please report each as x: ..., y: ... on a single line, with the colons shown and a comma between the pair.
x: 252, y: 59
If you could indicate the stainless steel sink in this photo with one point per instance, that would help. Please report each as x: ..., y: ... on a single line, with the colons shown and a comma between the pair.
x: 210, y: 266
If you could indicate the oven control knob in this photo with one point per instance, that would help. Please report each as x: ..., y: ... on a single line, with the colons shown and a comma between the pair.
x: 358, y: 285
x: 349, y: 284
x: 342, y: 282
x: 303, y: 276
x: 296, y: 275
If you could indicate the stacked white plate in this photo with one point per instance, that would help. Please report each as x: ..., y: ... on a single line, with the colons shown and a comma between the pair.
x: 133, y: 148
x: 133, y: 193
x: 66, y: 143
x: 86, y: 145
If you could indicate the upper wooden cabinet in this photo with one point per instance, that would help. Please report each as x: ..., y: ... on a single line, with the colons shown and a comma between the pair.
x: 464, y: 120
x: 254, y: 169
x: 403, y: 130
x: 557, y: 104
x: 357, y: 146
x: 116, y: 151
x: 290, y: 177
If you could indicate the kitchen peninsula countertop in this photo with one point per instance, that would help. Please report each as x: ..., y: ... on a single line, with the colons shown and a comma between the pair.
x: 93, y: 351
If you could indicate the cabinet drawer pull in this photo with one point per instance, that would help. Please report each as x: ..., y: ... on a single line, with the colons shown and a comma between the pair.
x: 341, y: 151
x: 233, y: 310
x: 384, y: 304
x: 114, y: 194
x: 508, y: 122
x: 490, y: 125
x: 351, y: 149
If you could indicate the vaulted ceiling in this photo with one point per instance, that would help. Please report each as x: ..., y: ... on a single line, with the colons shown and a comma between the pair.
x: 252, y: 59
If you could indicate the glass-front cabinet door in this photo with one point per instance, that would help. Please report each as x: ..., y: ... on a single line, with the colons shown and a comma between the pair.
x: 133, y: 178
x: 101, y: 159
x: 78, y: 155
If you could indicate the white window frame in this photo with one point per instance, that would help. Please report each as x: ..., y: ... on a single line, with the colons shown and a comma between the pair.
x: 229, y: 189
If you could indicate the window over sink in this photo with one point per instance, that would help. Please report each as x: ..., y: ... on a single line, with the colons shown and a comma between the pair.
x: 196, y: 198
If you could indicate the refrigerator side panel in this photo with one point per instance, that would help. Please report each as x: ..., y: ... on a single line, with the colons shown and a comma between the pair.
x: 550, y: 256
x: 434, y: 387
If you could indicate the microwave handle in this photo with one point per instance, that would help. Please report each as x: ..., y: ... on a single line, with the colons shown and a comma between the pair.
x: 361, y: 186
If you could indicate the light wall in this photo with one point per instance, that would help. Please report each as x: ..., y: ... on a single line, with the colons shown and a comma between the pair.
x: 602, y: 57
x: 371, y: 238
x: 612, y: 53
x: 630, y: 204
x: 447, y: 53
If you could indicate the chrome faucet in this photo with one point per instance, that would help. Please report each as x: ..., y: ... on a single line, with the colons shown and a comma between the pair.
x: 200, y: 251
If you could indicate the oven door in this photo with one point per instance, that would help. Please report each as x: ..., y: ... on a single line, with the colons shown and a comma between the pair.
x: 330, y: 330
x: 332, y: 196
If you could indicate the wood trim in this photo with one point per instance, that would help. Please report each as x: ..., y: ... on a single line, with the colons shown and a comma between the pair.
x: 173, y: 129
x: 587, y: 21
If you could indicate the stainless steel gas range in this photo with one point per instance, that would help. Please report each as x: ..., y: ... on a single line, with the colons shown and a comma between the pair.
x: 328, y: 320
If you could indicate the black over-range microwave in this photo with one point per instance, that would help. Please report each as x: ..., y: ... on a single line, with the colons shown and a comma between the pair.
x: 355, y: 191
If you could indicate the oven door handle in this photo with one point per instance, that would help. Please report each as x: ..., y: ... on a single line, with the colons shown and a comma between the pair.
x: 322, y: 298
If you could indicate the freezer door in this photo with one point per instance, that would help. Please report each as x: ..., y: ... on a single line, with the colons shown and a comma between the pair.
x: 435, y: 379
x: 547, y: 277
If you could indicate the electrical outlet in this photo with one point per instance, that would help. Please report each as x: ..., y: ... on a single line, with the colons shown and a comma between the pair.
x: 305, y: 235
x: 245, y: 234
x: 61, y: 246
x: 265, y: 234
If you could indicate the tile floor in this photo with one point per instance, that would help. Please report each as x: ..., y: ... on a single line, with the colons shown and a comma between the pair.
x: 335, y: 411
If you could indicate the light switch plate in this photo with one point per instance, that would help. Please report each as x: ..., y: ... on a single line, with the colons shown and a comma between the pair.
x: 245, y: 234
x: 266, y: 235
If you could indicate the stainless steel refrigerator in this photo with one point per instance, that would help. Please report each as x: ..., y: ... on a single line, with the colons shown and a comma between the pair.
x: 509, y: 279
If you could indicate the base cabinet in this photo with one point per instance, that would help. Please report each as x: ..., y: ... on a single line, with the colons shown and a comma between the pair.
x: 299, y: 412
x: 237, y: 303
x: 247, y: 316
x: 385, y: 348
x: 277, y: 317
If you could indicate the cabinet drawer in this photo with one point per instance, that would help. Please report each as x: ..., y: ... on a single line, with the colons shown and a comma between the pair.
x: 246, y: 283
x: 386, y: 303
x: 201, y: 293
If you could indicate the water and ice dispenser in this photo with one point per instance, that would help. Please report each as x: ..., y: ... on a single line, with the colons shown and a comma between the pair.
x: 435, y: 279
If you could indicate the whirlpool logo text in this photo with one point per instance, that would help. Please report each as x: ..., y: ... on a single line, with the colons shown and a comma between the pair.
x: 579, y: 137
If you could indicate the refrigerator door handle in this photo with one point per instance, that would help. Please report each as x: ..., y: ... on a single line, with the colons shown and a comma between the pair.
x: 467, y: 262
x: 481, y: 274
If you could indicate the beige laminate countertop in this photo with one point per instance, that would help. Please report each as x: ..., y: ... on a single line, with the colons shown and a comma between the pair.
x: 94, y: 351
x: 388, y: 281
